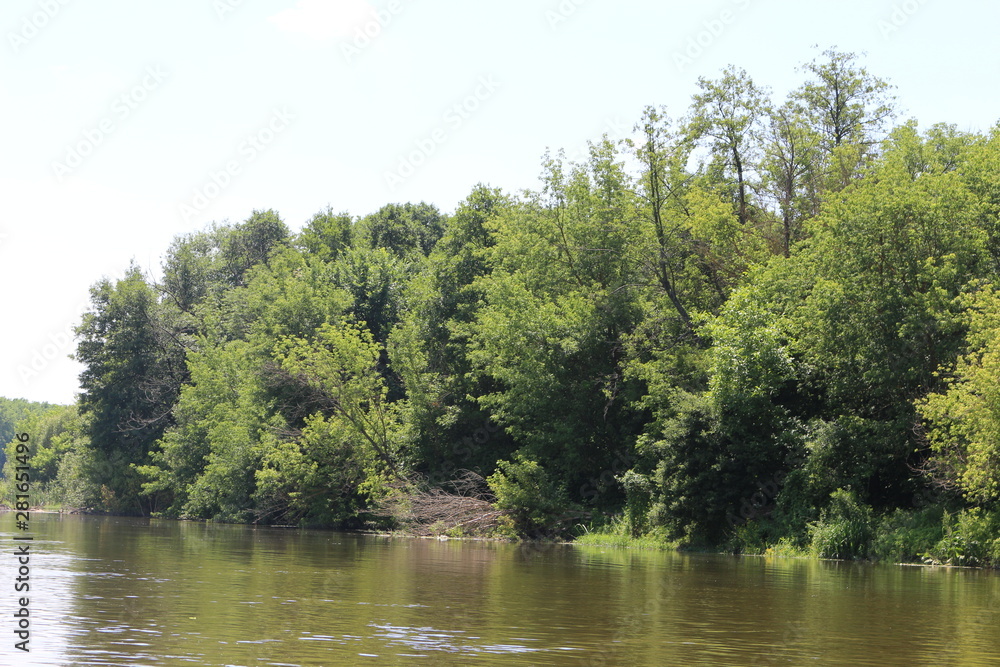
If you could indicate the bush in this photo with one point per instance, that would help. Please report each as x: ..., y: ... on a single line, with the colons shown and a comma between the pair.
x: 638, y: 502
x: 524, y: 490
x: 747, y: 538
x: 905, y: 535
x: 844, y: 529
x: 972, y: 537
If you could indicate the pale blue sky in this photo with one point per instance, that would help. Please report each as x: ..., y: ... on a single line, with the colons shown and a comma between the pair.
x: 127, y: 122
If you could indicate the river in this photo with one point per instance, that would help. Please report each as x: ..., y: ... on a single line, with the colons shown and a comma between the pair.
x: 121, y: 591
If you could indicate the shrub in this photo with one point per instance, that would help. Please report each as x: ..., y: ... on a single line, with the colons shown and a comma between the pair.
x: 844, y: 529
x: 905, y: 535
x: 970, y: 538
x: 638, y: 502
x: 524, y: 490
x: 747, y: 538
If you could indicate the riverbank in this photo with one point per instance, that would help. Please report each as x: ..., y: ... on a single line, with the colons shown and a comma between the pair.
x: 944, y: 547
x: 783, y: 549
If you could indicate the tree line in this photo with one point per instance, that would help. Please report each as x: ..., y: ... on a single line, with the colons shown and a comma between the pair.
x: 760, y: 325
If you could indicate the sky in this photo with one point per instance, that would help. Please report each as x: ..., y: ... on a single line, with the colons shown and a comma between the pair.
x: 125, y: 123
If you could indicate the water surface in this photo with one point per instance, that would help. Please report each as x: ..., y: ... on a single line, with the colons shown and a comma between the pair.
x: 118, y: 591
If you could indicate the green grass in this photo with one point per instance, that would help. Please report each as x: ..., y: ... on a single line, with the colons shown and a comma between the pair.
x: 624, y: 541
x: 616, y: 534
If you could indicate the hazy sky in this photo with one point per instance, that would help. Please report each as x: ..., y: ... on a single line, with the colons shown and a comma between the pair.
x: 127, y: 122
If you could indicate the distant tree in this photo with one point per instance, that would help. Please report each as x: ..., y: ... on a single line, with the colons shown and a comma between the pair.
x: 12, y: 411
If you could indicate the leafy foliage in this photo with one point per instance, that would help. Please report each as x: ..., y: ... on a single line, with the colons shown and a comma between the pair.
x: 768, y: 326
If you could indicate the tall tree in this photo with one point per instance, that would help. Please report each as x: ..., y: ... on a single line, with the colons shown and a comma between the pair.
x: 845, y: 103
x: 427, y: 349
x: 849, y: 109
x: 134, y: 368
x: 664, y: 206
x: 249, y: 243
x: 728, y: 112
x: 790, y: 167
x: 558, y: 301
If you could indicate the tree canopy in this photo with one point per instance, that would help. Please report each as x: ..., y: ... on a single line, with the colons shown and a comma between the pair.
x: 758, y: 325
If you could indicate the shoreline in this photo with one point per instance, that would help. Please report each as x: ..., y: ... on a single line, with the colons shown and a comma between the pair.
x: 615, y: 541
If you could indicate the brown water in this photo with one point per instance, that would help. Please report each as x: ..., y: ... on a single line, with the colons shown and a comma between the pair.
x: 113, y: 591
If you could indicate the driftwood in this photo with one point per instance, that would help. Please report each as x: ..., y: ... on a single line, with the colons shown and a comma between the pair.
x: 461, y: 507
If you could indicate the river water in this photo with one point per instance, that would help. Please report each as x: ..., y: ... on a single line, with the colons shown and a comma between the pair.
x: 118, y: 591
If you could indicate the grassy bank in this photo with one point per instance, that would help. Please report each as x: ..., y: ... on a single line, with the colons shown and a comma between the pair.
x: 932, y: 535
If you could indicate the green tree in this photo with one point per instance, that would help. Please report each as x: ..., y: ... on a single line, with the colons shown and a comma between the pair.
x: 557, y: 303
x: 428, y: 351
x: 375, y: 279
x: 870, y: 310
x: 134, y: 367
x: 327, y: 234
x: 205, y: 465
x: 404, y: 229
x: 237, y: 408
x: 248, y: 244
x: 342, y: 366
x: 662, y: 193
x: 981, y: 168
x: 964, y: 417
x: 707, y: 451
x: 12, y: 411
x: 789, y: 169
x: 728, y: 113
x: 56, y: 439
x: 845, y: 103
x: 849, y: 109
x: 188, y: 270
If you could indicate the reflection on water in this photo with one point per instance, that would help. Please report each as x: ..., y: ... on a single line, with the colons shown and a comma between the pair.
x: 430, y: 640
x: 114, y: 591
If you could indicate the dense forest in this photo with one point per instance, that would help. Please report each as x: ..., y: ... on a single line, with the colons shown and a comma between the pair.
x: 758, y: 326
